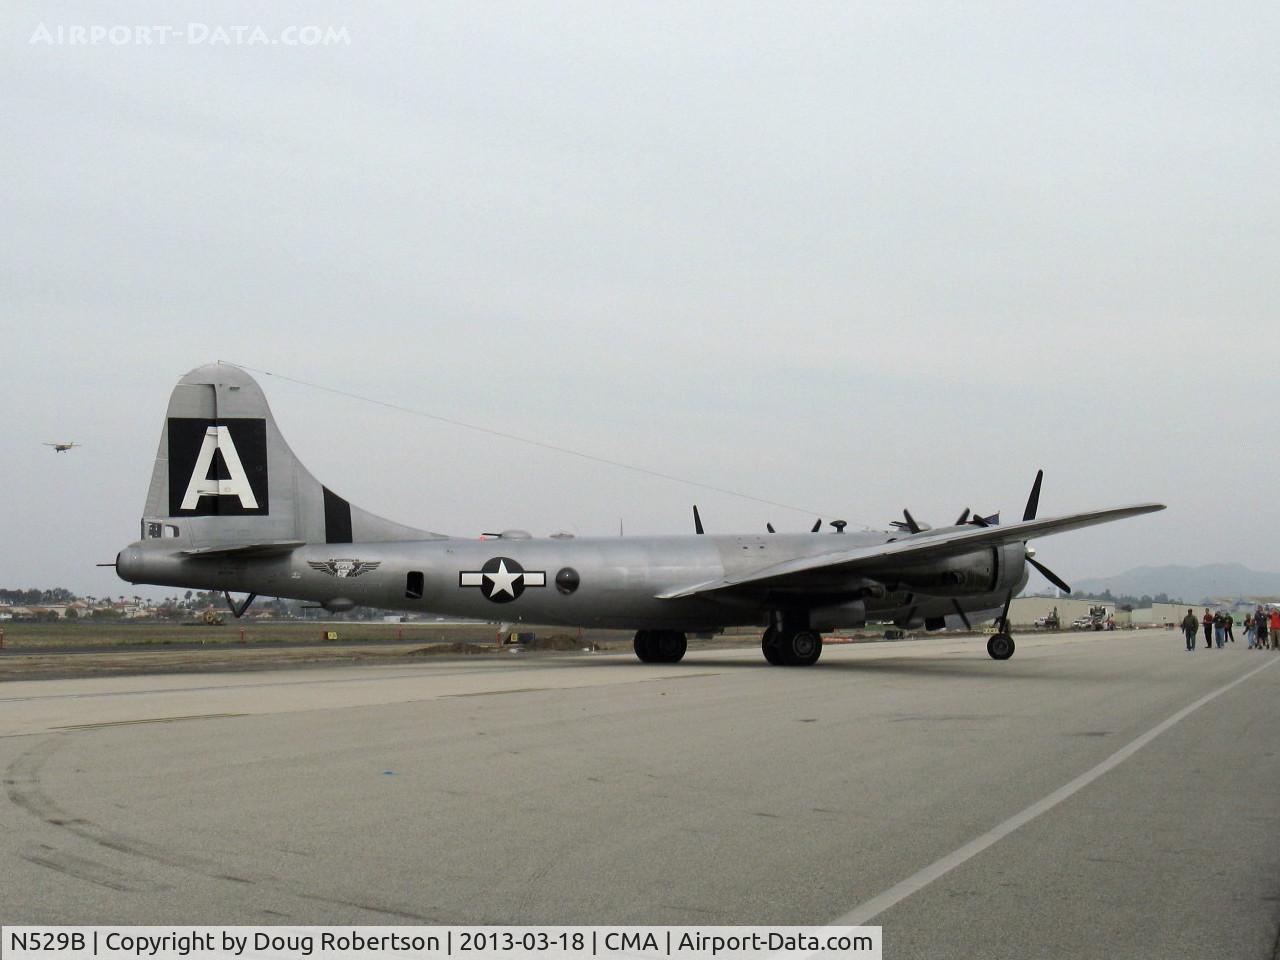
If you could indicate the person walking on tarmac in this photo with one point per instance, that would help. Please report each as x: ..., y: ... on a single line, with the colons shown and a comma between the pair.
x: 1229, y: 621
x: 1219, y: 628
x: 1207, y: 620
x: 1275, y: 628
x: 1260, y: 623
x: 1189, y: 625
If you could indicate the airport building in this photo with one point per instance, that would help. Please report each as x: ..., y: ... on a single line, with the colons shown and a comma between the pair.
x: 1025, y: 611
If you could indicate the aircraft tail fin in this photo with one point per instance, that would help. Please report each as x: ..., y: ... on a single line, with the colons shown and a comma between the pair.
x: 224, y: 475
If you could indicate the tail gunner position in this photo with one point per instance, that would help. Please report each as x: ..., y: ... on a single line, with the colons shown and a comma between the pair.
x: 231, y: 508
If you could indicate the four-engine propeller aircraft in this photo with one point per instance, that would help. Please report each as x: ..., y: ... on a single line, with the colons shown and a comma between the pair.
x: 231, y: 508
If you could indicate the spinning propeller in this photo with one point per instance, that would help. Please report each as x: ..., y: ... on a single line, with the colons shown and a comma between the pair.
x: 1033, y: 504
x: 817, y: 525
x: 909, y: 524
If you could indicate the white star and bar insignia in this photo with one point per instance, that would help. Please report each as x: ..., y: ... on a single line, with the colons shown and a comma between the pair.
x: 502, y: 579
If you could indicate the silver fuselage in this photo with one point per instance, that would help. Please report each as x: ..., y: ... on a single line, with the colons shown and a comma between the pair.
x: 617, y: 581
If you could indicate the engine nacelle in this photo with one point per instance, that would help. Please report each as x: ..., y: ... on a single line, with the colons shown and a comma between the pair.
x: 1012, y: 575
x: 853, y: 614
x: 997, y: 569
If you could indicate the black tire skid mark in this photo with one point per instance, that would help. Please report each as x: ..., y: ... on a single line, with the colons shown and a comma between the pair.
x: 23, y: 787
x: 88, y: 870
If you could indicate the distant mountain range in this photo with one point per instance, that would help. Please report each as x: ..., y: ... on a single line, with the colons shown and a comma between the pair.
x: 1191, y: 584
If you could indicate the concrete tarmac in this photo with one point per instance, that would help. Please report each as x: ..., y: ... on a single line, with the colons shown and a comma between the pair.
x: 591, y: 788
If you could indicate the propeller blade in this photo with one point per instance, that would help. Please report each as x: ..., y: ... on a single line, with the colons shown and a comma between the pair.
x: 963, y: 517
x: 979, y: 521
x: 1049, y: 575
x: 1033, y: 501
x: 817, y: 525
x: 697, y: 520
x: 911, y: 521
x: 769, y: 527
x: 963, y: 617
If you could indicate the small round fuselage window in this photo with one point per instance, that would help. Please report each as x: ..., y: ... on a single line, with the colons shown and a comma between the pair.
x: 567, y: 580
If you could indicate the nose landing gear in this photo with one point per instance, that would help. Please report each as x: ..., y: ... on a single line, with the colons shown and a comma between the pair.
x: 1000, y: 646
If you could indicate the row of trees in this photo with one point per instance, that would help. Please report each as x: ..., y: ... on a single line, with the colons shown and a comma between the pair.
x: 36, y: 595
x: 1126, y: 600
x: 190, y: 604
x: 104, y: 608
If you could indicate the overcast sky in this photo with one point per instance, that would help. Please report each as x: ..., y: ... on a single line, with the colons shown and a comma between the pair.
x: 851, y: 257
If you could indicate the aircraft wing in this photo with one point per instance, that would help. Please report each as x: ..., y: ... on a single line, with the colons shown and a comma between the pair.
x: 918, y: 548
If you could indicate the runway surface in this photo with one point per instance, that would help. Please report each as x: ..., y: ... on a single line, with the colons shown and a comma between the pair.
x: 595, y: 789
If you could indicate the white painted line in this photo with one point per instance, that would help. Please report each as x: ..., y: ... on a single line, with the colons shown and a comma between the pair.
x: 864, y: 912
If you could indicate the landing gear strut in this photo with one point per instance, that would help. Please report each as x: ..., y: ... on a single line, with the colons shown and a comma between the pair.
x: 660, y: 646
x: 784, y: 647
x: 1000, y: 646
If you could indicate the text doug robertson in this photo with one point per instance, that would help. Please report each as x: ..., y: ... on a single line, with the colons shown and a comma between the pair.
x: 304, y: 944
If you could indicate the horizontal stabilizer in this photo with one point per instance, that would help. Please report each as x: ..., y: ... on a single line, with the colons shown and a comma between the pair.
x: 265, y: 548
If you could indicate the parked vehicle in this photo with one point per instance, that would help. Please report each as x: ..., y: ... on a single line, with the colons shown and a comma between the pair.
x: 1099, y: 618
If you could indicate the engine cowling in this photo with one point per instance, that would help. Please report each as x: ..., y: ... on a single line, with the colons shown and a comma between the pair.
x: 1012, y: 574
x: 997, y: 569
x: 852, y: 614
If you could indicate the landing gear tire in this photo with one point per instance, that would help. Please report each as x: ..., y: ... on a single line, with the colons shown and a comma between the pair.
x: 792, y: 648
x: 802, y: 648
x: 660, y: 646
x: 770, y: 648
x: 669, y: 646
x: 1000, y: 646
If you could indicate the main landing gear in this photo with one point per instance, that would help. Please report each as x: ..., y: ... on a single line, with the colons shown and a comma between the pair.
x: 1000, y: 646
x: 791, y: 648
x: 660, y: 646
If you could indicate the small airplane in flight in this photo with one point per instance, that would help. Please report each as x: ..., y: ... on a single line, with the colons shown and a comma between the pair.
x: 62, y: 447
x: 231, y: 508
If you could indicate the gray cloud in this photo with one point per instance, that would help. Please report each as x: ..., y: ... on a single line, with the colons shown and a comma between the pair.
x: 848, y: 257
